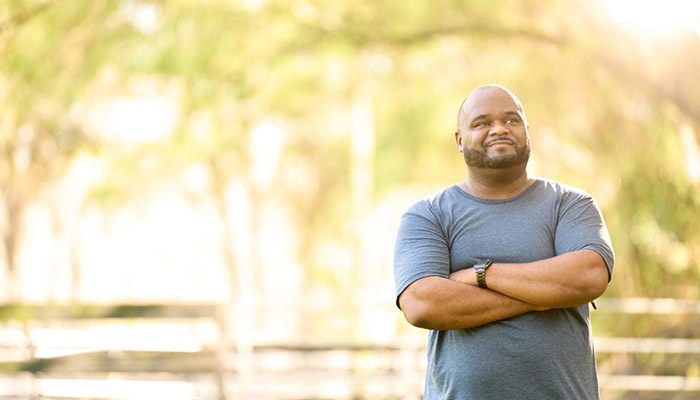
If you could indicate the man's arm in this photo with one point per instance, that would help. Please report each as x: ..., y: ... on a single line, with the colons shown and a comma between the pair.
x: 439, y: 303
x: 567, y: 280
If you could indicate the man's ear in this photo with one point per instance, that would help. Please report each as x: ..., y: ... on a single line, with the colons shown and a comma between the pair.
x: 458, y: 140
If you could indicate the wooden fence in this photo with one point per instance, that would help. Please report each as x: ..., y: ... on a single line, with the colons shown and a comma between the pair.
x: 634, y: 365
x: 647, y: 349
x: 111, y: 351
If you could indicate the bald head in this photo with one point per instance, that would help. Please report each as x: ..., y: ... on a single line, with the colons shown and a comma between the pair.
x: 470, y: 105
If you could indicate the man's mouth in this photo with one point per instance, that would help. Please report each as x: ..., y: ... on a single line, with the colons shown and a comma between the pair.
x: 499, y: 142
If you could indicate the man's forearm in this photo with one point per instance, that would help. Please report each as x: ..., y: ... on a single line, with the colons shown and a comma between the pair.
x: 442, y: 304
x: 567, y: 280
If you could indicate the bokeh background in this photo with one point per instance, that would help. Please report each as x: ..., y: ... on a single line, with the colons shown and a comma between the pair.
x: 241, y: 166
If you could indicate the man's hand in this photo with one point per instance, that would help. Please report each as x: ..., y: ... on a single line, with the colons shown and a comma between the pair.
x: 468, y: 276
x: 563, y: 281
x: 438, y: 303
x: 567, y: 280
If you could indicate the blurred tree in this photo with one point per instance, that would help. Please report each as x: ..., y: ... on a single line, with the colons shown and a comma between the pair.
x: 311, y: 125
x: 268, y: 92
x: 42, y: 66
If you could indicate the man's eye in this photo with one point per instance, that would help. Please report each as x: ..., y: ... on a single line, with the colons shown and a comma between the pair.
x: 511, y: 121
x: 482, y: 124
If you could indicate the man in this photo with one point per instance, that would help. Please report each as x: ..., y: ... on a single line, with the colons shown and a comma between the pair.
x: 501, y: 268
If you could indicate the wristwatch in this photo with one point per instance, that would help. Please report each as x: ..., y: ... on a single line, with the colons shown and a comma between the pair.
x: 480, y: 270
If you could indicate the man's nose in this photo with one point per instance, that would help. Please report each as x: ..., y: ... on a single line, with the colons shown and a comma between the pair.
x: 498, y: 128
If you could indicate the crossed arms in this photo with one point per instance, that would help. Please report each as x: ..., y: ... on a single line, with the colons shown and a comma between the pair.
x: 567, y: 280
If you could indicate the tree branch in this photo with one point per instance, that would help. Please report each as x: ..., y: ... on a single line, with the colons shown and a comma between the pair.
x: 25, y: 16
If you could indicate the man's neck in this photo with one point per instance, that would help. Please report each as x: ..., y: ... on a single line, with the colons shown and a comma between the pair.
x: 490, y: 183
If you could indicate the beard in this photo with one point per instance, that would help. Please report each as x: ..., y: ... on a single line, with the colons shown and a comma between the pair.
x: 479, y: 158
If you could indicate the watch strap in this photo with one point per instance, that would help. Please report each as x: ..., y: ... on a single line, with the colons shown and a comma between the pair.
x: 480, y: 270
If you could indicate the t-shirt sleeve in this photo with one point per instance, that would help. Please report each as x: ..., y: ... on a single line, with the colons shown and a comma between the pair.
x: 421, y: 247
x: 581, y: 226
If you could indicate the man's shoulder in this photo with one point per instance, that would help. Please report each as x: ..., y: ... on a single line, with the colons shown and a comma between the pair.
x: 438, y: 199
x: 561, y: 189
x: 434, y: 206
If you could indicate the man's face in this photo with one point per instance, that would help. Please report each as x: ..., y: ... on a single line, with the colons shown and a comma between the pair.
x: 493, y: 132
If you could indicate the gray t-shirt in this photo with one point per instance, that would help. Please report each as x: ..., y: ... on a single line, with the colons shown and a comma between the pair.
x: 537, y: 355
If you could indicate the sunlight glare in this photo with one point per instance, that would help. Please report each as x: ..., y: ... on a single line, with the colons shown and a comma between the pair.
x: 115, y: 389
x: 692, y: 153
x: 133, y: 120
x: 657, y: 16
x: 53, y: 341
x: 266, y: 145
x: 143, y: 16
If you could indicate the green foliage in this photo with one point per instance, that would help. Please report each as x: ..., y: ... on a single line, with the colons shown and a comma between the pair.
x: 605, y: 109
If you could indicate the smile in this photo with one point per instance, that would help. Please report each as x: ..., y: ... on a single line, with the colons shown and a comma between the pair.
x: 500, y: 142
